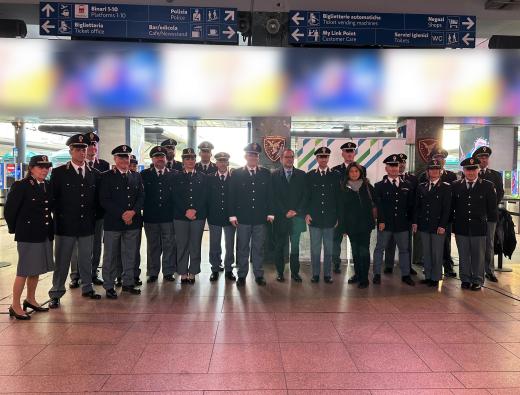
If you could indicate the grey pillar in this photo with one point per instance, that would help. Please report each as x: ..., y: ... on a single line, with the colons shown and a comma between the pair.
x: 19, y: 140
x: 117, y: 131
x: 263, y: 127
x: 192, y: 134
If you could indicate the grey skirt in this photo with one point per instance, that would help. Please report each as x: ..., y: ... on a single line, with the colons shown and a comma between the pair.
x: 34, y: 258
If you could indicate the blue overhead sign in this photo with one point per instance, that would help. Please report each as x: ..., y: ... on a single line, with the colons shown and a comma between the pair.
x: 143, y: 22
x: 375, y: 29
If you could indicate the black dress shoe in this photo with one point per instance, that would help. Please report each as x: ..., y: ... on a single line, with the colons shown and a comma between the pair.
x: 315, y: 279
x: 131, y: 290
x: 221, y: 268
x: 241, y: 282
x: 465, y: 285
x: 476, y: 287
x: 426, y: 281
x: 260, y: 281
x: 39, y: 309
x: 377, y: 279
x: 353, y: 279
x: 280, y: 278
x: 191, y: 280
x: 14, y: 314
x: 97, y: 281
x: 296, y: 277
x: 433, y: 283
x: 119, y: 282
x: 328, y: 280
x: 137, y: 281
x: 413, y: 272
x: 54, y: 303
x: 363, y: 284
x: 408, y: 280
x: 111, y: 294
x: 169, y: 277
x: 230, y: 276
x: 214, y: 276
x: 74, y: 284
x: 450, y: 274
x: 152, y: 279
x: 91, y: 295
x: 388, y: 270
x: 491, y: 277
x: 185, y: 280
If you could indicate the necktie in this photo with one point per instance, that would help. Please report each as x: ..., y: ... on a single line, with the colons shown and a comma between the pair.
x: 160, y: 173
x: 394, y: 182
x: 252, y: 172
x: 222, y: 178
x: 288, y: 175
x: 205, y: 167
x: 431, y: 186
x: 80, y: 172
x: 91, y: 164
x: 470, y: 185
x: 42, y: 186
x: 482, y: 173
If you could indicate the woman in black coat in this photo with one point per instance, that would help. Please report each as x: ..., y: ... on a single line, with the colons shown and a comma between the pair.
x: 28, y: 215
x: 357, y: 220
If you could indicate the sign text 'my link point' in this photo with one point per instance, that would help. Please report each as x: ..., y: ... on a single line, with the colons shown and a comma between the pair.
x: 381, y: 29
x: 128, y: 21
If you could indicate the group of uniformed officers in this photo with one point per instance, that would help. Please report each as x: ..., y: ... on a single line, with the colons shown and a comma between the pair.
x: 87, y: 202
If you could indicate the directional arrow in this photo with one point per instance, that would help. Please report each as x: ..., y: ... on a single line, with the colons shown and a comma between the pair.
x: 229, y: 32
x: 47, y: 26
x: 297, y: 18
x: 230, y: 14
x: 296, y: 34
x: 469, y: 23
x: 48, y: 10
x: 467, y: 39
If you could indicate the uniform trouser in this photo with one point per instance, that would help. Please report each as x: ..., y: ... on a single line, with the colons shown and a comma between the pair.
x: 64, y: 246
x: 96, y: 253
x: 159, y: 241
x: 282, y: 233
x: 189, y: 239
x: 360, y: 244
x: 215, y: 247
x: 174, y: 251
x: 250, y: 243
x: 390, y: 251
x: 402, y: 239
x: 471, y: 258
x: 489, y: 263
x: 432, y: 245
x: 121, y: 244
x: 321, y: 236
x: 336, y: 247
x: 447, y: 261
x: 137, y: 264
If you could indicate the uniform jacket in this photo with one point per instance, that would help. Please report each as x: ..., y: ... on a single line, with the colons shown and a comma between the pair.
x: 190, y: 193
x: 289, y: 195
x: 100, y: 165
x: 394, y: 205
x: 446, y: 176
x: 218, y: 199
x: 356, y: 214
x: 324, y: 200
x: 432, y: 208
x: 411, y: 178
x: 28, y: 211
x: 473, y: 209
x: 118, y: 195
x: 158, y: 195
x: 496, y: 178
x: 251, y: 197
x: 212, y: 168
x: 174, y: 165
x: 75, y: 200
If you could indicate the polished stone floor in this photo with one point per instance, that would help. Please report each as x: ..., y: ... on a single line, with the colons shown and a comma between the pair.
x: 281, y: 339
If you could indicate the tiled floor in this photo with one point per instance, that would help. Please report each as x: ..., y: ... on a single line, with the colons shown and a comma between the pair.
x: 282, y: 339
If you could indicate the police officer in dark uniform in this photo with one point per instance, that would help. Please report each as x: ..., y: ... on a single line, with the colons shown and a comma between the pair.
x: 431, y: 216
x: 74, y: 188
x: 28, y: 215
x: 122, y: 196
x: 250, y: 208
x: 205, y: 165
x: 483, y: 154
x: 323, y: 211
x: 171, y: 163
x: 290, y: 199
x: 348, y: 152
x: 190, y: 210
x: 158, y: 216
x: 474, y: 208
x: 92, y: 154
x: 395, y: 201
x: 448, y: 176
x: 218, y: 219
x: 390, y: 249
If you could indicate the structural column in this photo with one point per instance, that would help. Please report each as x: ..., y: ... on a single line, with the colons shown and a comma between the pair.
x: 19, y: 141
x: 271, y: 127
x: 117, y: 131
x: 192, y: 134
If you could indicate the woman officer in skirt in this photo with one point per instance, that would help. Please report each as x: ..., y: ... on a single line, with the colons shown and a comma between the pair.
x: 28, y: 215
